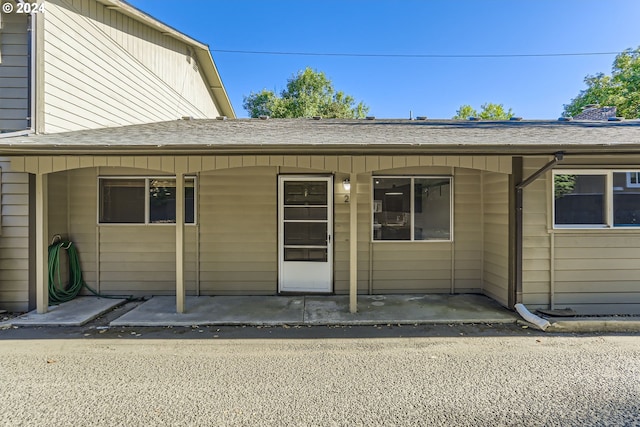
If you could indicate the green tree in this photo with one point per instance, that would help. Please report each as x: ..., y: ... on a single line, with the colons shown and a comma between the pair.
x: 621, y: 89
x: 308, y: 93
x: 257, y: 104
x: 489, y: 111
x: 563, y: 185
x: 464, y: 112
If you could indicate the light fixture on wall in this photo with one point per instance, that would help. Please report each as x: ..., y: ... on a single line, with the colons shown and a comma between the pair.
x: 346, y: 184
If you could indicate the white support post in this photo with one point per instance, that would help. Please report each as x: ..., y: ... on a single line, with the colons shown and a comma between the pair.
x: 42, y: 243
x: 180, y: 284
x: 353, y: 243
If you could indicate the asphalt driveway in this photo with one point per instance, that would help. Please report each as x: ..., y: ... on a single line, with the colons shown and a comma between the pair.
x: 526, y: 379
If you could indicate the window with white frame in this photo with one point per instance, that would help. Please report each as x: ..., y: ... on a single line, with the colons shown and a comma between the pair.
x: 595, y: 199
x: 143, y: 200
x: 412, y: 208
x: 633, y: 179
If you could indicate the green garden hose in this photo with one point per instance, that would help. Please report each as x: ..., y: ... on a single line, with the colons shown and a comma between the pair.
x: 57, y: 293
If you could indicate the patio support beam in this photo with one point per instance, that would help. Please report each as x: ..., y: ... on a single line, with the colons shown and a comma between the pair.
x: 180, y: 283
x: 353, y: 243
x: 557, y: 157
x: 42, y: 243
x: 515, y: 233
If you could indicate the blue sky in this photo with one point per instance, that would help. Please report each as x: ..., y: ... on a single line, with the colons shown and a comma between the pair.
x: 535, y: 87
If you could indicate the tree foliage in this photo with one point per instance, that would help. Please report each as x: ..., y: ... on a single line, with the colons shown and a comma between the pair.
x: 308, y: 93
x: 464, y: 112
x: 621, y: 89
x: 563, y: 185
x: 489, y: 111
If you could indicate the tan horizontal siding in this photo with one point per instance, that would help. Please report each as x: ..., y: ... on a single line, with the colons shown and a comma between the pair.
x: 14, y: 301
x: 435, y: 266
x: 13, y: 281
x: 595, y: 286
x: 237, y: 214
x: 105, y: 69
x: 20, y: 262
x: 570, y: 299
x: 420, y: 272
x: 538, y: 287
x: 147, y: 274
x: 599, y: 275
x: 122, y: 289
x: 17, y: 232
x: 15, y: 221
x: 604, y: 240
x: 467, y: 224
x: 538, y: 276
x: 495, y: 239
x: 536, y: 272
x: 14, y: 239
x: 7, y: 242
x: 413, y: 287
x: 623, y: 262
x: 134, y: 259
x: 593, y: 271
x: 238, y: 231
x: 537, y: 299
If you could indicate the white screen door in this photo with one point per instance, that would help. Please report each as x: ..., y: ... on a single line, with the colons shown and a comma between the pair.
x: 305, y: 233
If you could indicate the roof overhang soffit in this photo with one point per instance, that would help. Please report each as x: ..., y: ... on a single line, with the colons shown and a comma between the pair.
x: 200, y: 163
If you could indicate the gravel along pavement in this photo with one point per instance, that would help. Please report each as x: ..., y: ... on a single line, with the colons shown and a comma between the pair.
x: 533, y: 380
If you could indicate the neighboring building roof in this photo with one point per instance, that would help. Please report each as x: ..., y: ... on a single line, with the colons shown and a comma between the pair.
x: 201, y: 50
x: 294, y: 136
x: 596, y: 113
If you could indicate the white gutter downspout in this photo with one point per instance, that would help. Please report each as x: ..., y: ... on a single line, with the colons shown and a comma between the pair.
x: 537, y: 321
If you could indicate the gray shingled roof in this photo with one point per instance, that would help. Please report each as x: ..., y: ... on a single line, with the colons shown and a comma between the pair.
x: 331, y: 135
x: 596, y: 113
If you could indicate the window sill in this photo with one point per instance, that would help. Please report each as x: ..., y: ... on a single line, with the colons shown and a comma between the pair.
x: 412, y: 241
x: 595, y: 230
x: 111, y: 224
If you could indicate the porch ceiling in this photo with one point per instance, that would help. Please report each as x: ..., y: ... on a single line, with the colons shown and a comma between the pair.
x: 333, y: 136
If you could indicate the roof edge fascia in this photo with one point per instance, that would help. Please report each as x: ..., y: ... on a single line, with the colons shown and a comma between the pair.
x: 215, y: 82
x: 291, y: 150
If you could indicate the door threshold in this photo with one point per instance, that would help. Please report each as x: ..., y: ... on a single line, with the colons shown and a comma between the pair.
x: 303, y: 294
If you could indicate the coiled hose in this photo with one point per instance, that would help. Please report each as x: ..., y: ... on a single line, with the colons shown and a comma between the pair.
x: 59, y: 293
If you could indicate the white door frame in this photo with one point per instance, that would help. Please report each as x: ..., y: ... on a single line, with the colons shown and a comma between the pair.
x: 305, y: 276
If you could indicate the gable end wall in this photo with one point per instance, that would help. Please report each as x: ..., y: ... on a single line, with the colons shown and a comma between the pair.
x: 104, y: 69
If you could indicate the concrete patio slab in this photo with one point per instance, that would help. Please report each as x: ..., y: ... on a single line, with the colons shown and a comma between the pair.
x: 373, y: 309
x: 310, y: 310
x: 316, y: 310
x: 216, y: 310
x: 76, y: 312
